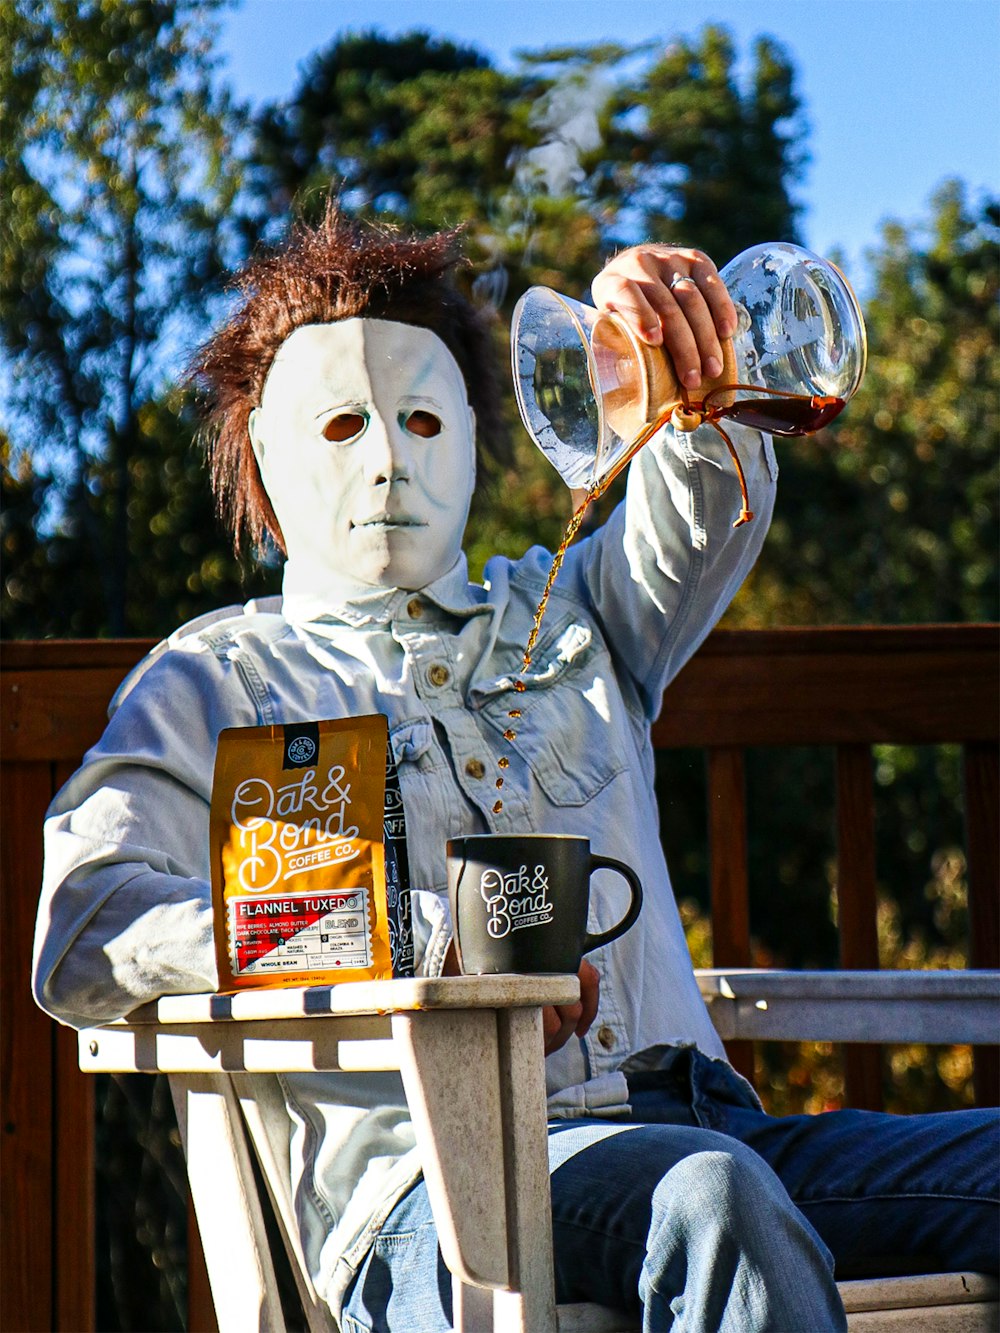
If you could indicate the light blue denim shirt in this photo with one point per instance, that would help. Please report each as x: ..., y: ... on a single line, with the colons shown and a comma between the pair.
x: 126, y: 914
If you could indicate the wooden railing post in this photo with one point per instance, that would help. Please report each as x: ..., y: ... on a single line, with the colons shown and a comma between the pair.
x: 857, y: 905
x: 29, y: 1074
x: 53, y: 707
x: 982, y: 800
x: 730, y: 884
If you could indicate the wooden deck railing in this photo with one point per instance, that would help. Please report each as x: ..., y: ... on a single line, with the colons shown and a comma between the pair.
x: 847, y: 688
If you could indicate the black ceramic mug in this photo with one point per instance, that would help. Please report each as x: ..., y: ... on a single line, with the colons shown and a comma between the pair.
x: 519, y: 901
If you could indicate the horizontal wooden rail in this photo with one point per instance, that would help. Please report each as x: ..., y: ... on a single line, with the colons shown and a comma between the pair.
x: 905, y: 684
x: 54, y: 694
x: 927, y: 1007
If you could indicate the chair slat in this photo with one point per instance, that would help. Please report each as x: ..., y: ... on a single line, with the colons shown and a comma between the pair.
x: 200, y: 1305
x: 74, y: 1114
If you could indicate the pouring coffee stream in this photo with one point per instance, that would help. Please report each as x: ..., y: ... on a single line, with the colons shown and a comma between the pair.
x: 572, y: 528
x: 591, y: 393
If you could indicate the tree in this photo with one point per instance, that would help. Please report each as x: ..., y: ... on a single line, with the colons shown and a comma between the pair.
x: 577, y: 150
x: 700, y: 160
x: 41, y: 593
x: 890, y: 515
x: 356, y: 119
x: 417, y: 130
x: 120, y: 182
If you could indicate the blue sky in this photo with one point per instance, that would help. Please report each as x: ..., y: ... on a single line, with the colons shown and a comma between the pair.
x: 899, y: 94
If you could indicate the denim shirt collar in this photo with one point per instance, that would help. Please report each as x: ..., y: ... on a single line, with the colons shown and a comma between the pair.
x: 317, y: 609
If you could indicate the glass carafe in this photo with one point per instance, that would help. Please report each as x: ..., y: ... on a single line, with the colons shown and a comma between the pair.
x: 591, y: 393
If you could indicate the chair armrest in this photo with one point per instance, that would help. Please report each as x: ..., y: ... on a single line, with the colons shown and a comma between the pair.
x: 345, y: 1027
x: 940, y: 1007
x: 355, y: 998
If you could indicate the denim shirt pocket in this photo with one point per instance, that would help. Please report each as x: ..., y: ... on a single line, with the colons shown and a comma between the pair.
x: 565, y: 735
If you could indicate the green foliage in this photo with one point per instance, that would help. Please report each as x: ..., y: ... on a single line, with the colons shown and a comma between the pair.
x: 119, y: 181
x: 42, y: 593
x: 189, y: 567
x: 417, y: 130
x: 129, y: 181
x: 186, y: 565
x: 579, y: 149
x: 375, y: 115
x: 712, y: 164
x: 891, y: 514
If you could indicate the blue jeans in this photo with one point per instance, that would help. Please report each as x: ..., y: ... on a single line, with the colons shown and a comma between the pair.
x: 706, y: 1214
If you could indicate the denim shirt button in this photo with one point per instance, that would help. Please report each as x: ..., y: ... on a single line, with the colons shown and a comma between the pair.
x: 606, y: 1036
x: 414, y: 608
x: 438, y: 674
x: 475, y: 768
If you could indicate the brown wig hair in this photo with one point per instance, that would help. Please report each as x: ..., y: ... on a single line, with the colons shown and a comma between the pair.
x: 332, y: 271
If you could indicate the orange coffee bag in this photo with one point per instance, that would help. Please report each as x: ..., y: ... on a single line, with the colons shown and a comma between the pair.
x: 302, y: 888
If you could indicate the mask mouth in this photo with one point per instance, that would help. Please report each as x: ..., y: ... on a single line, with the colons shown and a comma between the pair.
x: 388, y: 521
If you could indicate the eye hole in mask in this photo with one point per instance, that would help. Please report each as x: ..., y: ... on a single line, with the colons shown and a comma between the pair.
x: 424, y: 424
x: 344, y: 427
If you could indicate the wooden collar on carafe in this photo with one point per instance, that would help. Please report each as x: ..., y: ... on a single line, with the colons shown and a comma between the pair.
x: 649, y: 389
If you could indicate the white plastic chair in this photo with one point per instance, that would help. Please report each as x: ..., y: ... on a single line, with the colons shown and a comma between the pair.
x: 480, y: 1122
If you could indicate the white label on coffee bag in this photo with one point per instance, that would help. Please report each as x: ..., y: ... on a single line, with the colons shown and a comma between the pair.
x: 295, y: 933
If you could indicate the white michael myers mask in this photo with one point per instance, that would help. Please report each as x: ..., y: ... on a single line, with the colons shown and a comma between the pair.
x: 365, y: 442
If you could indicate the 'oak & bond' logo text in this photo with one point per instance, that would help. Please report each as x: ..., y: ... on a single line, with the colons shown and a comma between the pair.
x: 516, y: 900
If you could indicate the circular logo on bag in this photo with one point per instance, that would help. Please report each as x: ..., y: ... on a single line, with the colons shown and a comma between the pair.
x: 301, y: 750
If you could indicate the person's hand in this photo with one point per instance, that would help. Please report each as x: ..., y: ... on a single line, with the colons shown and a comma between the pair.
x: 674, y: 297
x: 562, y: 1021
x: 559, y: 1021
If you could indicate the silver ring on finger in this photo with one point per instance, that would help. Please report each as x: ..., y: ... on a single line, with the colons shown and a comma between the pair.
x: 679, y: 278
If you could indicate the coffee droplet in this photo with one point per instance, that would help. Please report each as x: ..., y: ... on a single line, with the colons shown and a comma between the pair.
x: 514, y: 712
x: 510, y: 734
x: 497, y: 807
x: 503, y: 763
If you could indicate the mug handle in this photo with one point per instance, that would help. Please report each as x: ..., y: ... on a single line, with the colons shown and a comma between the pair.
x: 631, y: 916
